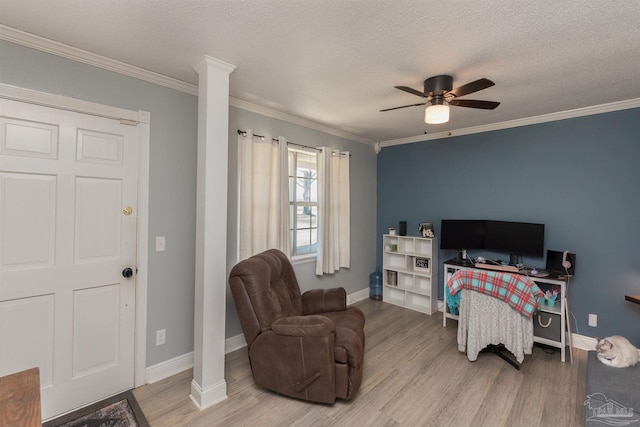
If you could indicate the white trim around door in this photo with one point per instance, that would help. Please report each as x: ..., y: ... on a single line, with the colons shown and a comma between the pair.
x: 141, y: 119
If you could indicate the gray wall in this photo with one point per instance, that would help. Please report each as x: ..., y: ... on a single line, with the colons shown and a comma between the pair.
x: 579, y: 177
x: 363, y: 205
x: 172, y: 193
x: 173, y: 185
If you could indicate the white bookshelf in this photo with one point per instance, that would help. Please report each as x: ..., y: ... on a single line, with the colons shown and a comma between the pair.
x: 410, y: 272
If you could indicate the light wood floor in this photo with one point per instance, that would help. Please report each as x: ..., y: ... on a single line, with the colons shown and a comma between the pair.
x: 413, y: 375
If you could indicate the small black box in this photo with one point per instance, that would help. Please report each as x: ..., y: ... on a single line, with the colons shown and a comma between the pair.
x: 403, y: 228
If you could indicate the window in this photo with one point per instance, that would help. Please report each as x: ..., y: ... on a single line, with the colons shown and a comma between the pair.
x: 303, y: 202
x: 293, y: 198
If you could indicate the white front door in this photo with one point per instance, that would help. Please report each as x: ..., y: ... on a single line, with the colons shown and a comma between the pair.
x: 68, y: 192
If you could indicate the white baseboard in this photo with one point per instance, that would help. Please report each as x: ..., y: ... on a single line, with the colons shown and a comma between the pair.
x: 584, y: 342
x: 234, y: 343
x: 169, y: 367
x: 205, y: 398
x: 360, y: 295
x: 181, y: 363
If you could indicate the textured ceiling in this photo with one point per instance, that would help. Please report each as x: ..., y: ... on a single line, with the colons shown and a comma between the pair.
x: 335, y: 62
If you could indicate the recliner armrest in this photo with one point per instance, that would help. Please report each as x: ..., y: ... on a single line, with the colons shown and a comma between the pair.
x: 303, y: 326
x: 324, y: 300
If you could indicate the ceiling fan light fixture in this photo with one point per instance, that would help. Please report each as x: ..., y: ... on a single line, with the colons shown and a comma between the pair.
x: 437, y: 112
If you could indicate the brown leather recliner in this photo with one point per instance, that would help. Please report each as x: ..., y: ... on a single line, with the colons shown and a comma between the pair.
x: 308, y: 346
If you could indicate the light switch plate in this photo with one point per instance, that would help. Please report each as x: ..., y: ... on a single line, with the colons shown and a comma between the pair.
x: 160, y: 244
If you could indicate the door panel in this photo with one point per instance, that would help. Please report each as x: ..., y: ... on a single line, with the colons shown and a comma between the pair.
x: 65, y: 179
x: 98, y: 213
x: 95, y: 329
x: 26, y: 138
x: 96, y: 147
x: 27, y: 220
x: 32, y: 343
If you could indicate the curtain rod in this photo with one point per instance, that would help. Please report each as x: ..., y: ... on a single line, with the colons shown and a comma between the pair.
x: 244, y: 133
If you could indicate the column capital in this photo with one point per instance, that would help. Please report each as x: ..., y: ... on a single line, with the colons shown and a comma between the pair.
x: 207, y: 62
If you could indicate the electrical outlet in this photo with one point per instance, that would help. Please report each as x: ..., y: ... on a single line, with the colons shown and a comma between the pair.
x: 160, y: 244
x: 593, y: 320
x: 160, y: 336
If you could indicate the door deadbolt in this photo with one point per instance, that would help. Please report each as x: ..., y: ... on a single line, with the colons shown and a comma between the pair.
x: 127, y: 210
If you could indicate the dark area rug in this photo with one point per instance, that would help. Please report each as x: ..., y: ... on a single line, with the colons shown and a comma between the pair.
x: 121, y: 410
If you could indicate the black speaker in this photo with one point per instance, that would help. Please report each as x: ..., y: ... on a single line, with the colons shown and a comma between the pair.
x: 403, y: 228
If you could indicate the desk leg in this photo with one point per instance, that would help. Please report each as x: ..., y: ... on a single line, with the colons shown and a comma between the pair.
x: 567, y: 316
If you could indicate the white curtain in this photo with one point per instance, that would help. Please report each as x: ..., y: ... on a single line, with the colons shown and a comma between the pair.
x: 263, y: 200
x: 334, y: 250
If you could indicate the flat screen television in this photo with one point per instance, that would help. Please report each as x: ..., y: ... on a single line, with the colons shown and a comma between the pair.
x: 515, y: 238
x: 462, y: 234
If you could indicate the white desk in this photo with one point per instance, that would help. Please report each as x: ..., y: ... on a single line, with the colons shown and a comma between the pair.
x: 550, y: 324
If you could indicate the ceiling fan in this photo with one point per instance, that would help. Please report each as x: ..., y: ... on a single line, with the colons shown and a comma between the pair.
x: 438, y: 94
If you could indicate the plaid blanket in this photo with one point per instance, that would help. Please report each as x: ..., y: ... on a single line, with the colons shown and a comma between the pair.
x: 518, y: 291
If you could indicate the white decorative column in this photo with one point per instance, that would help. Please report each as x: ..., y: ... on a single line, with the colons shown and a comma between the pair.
x: 209, y: 386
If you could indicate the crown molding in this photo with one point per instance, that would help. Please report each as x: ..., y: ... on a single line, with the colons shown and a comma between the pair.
x: 56, y: 48
x: 551, y: 117
x: 275, y: 114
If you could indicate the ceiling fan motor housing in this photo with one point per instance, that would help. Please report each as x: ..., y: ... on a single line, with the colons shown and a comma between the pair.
x: 438, y: 91
x: 438, y: 85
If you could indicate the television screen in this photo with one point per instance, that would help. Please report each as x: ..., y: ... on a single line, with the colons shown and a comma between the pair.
x: 462, y: 234
x: 521, y: 238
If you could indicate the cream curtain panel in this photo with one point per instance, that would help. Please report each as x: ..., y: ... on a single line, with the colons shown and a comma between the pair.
x: 264, y: 196
x: 334, y: 250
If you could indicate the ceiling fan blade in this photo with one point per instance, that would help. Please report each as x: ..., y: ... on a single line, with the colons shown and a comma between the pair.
x: 404, y: 106
x: 411, y: 91
x: 471, y: 103
x: 471, y: 87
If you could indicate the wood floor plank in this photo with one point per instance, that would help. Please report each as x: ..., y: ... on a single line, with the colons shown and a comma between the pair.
x: 497, y: 404
x: 413, y: 375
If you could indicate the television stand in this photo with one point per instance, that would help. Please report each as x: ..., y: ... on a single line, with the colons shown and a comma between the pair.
x: 500, y: 350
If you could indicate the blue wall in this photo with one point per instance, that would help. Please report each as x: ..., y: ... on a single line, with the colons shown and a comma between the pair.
x: 580, y: 177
